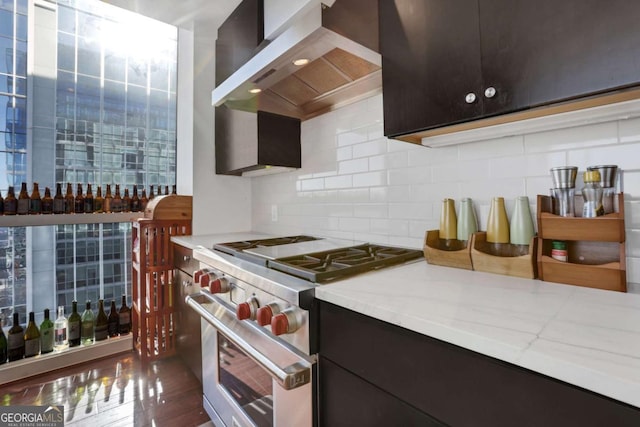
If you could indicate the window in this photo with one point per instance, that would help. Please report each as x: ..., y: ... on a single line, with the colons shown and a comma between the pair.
x: 114, y: 122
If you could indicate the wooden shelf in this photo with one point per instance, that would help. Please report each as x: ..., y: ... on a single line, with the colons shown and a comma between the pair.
x: 595, y: 247
x: 64, y: 219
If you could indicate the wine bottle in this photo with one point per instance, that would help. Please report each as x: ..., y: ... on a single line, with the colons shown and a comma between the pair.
x: 126, y: 201
x: 31, y: 338
x: 47, y: 202
x: 61, y: 327
x: 74, y: 325
x: 46, y: 334
x: 143, y: 200
x: 87, y: 325
x: 69, y: 200
x: 79, y: 200
x: 124, y: 317
x: 35, y: 202
x: 113, y: 321
x: 102, y: 323
x: 23, y: 200
x: 58, y: 200
x: 116, y: 203
x: 4, y: 348
x: 166, y: 190
x: 159, y: 190
x: 135, y: 200
x: 88, y: 200
x: 107, y: 200
x: 15, y: 340
x: 98, y: 201
x: 152, y: 195
x: 10, y: 202
x: 1, y: 204
x: 174, y: 191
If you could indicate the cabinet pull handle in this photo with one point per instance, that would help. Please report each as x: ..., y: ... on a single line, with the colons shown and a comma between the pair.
x: 186, y: 258
x: 186, y: 283
x: 470, y: 98
x: 490, y: 92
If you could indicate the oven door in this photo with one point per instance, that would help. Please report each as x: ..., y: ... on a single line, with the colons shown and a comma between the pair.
x: 250, y: 378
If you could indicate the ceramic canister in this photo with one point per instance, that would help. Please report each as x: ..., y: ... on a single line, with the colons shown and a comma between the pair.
x: 467, y: 220
x: 498, y: 223
x: 521, y: 229
x: 448, y: 220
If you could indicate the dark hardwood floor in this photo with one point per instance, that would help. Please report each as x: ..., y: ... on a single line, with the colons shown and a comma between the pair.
x: 116, y: 391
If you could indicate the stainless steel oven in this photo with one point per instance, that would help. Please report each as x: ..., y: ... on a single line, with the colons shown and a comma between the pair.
x: 256, y: 308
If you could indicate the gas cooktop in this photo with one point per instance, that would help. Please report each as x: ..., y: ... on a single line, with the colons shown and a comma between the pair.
x: 315, y: 259
x: 338, y: 263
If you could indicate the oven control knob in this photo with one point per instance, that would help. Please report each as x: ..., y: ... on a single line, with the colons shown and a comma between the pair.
x: 266, y: 312
x: 204, y: 277
x: 247, y: 310
x: 286, y: 322
x: 220, y: 285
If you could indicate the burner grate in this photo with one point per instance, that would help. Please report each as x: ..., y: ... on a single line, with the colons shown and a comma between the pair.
x: 232, y: 248
x: 338, y: 263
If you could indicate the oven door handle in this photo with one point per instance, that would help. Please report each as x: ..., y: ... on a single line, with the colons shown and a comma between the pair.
x: 295, y: 371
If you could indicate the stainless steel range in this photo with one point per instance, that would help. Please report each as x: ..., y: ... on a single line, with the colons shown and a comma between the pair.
x: 258, y: 342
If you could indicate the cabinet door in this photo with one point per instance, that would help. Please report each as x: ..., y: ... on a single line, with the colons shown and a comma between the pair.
x: 539, y: 52
x: 430, y: 62
x: 348, y: 400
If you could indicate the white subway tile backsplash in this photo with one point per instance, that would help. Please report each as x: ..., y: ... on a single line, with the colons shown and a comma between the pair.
x: 370, y: 148
x: 370, y: 179
x: 354, y: 225
x: 341, y: 181
x: 344, y: 153
x: 356, y: 184
x: 350, y: 138
x: 371, y: 211
x: 629, y: 130
x: 404, y: 176
x: 626, y: 156
x: 353, y: 166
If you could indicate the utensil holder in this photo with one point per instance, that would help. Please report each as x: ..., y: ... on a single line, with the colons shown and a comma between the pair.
x: 447, y: 252
x: 503, y: 258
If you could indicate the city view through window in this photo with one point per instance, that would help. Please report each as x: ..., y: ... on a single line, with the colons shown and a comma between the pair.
x: 103, y: 113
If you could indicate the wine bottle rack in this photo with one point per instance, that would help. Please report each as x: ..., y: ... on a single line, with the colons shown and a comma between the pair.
x: 154, y: 315
x: 596, y: 247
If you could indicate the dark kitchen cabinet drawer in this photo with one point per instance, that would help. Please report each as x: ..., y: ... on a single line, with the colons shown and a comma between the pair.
x: 447, y: 63
x: 347, y: 400
x: 453, y: 385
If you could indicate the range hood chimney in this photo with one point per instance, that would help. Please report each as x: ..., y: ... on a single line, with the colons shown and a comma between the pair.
x: 340, y: 46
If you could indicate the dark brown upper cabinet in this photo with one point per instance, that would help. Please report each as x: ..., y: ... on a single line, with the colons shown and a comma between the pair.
x: 452, y: 63
x: 239, y: 38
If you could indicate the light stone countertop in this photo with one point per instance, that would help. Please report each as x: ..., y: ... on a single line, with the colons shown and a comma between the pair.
x: 586, y: 337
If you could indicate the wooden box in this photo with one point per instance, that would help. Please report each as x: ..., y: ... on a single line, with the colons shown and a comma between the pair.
x: 503, y: 258
x: 595, y: 248
x: 447, y: 252
x: 170, y: 207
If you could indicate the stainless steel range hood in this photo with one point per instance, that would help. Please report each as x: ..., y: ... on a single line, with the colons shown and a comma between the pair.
x: 340, y: 70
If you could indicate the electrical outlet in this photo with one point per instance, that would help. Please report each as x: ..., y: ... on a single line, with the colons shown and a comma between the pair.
x: 274, y: 213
